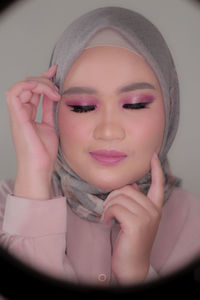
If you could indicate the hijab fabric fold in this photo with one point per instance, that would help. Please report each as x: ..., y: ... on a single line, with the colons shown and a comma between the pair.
x: 144, y: 38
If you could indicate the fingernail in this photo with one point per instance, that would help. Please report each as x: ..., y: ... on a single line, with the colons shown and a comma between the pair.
x: 55, y: 93
x: 155, y: 155
x: 52, y: 67
x: 56, y: 88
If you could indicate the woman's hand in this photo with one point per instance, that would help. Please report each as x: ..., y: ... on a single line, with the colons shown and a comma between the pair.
x: 139, y: 217
x: 36, y: 144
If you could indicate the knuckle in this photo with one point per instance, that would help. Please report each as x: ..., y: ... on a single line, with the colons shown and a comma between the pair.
x: 156, y: 214
x: 11, y: 89
x: 113, y: 209
x: 9, y: 92
x: 114, y: 206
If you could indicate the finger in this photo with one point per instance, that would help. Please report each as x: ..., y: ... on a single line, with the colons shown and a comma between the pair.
x: 51, y: 93
x: 122, y: 215
x: 44, y: 80
x: 25, y: 96
x: 136, y: 186
x: 50, y: 72
x: 156, y: 190
x: 33, y: 100
x: 19, y: 87
x: 47, y: 111
x: 13, y: 95
x: 28, y: 96
x: 134, y: 194
x: 128, y: 203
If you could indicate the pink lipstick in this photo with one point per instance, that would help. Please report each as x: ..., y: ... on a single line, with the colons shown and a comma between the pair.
x: 108, y: 157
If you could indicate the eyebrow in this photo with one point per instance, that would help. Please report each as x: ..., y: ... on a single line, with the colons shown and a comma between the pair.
x: 91, y: 91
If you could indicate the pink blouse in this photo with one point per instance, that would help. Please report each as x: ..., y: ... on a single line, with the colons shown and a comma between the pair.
x: 48, y: 236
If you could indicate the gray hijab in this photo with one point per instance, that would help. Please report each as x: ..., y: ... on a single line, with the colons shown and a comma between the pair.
x: 84, y: 199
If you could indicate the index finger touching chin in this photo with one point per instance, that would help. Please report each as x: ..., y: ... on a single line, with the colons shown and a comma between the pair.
x: 156, y: 190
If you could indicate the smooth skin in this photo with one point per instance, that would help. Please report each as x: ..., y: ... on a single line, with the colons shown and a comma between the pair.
x: 139, y: 217
x: 36, y: 146
x: 137, y: 132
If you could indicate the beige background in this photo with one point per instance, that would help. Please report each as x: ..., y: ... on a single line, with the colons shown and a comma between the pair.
x: 29, y: 30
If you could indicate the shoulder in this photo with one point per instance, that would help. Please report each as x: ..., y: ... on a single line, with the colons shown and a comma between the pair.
x: 177, y: 242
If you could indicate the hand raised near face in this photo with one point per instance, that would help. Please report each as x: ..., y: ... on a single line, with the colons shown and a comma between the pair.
x: 36, y: 143
x: 139, y: 216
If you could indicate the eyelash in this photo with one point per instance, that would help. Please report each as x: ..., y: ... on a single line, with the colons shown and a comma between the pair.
x: 88, y: 108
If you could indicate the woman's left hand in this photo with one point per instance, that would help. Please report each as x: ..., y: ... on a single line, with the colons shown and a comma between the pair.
x: 139, y: 217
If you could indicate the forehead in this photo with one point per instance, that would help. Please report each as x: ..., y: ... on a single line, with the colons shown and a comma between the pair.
x: 109, y: 63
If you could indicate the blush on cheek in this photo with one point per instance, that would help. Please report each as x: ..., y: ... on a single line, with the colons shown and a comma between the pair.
x: 155, y: 137
x: 72, y: 130
x: 149, y: 134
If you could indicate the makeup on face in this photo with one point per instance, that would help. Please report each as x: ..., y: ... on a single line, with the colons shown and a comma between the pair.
x: 108, y: 157
x: 88, y: 103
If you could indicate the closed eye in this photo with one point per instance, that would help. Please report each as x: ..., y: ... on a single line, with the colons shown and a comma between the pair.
x: 136, y: 105
x: 81, y: 109
x: 88, y: 108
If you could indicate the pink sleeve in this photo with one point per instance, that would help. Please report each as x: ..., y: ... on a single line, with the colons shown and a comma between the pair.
x: 35, y: 232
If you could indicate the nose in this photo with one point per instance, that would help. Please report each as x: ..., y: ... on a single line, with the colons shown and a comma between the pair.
x: 109, y: 127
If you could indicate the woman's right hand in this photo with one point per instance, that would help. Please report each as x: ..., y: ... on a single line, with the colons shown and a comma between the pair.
x: 36, y: 144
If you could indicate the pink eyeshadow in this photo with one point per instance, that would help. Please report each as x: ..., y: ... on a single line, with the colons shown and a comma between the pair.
x: 138, y: 99
x: 82, y: 101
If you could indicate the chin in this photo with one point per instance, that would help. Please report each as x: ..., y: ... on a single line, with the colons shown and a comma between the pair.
x: 110, y: 185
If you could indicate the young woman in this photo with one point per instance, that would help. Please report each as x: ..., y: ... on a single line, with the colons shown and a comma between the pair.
x: 94, y: 201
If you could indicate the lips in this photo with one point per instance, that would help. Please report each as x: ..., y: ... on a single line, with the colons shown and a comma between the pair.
x: 108, y: 153
x: 108, y: 157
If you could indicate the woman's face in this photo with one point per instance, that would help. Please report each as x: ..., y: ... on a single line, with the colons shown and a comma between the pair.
x: 111, y: 82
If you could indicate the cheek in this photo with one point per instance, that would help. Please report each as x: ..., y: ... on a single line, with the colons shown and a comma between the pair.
x: 148, y: 133
x: 73, y: 129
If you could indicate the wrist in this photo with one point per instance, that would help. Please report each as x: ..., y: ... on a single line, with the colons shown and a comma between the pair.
x: 131, y: 276
x: 32, y: 185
